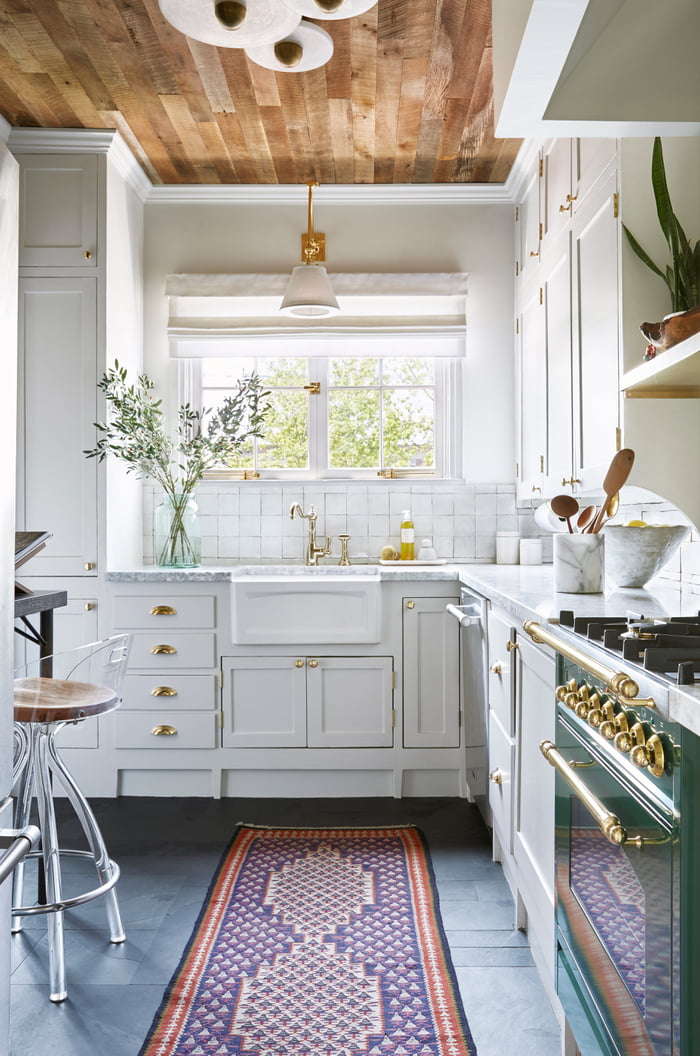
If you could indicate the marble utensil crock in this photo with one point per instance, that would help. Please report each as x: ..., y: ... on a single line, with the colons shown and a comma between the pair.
x: 578, y: 563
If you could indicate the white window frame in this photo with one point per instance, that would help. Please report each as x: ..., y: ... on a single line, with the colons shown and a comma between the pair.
x: 448, y: 432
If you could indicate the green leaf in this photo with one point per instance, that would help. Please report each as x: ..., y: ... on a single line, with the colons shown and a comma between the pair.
x: 664, y: 209
x: 642, y: 254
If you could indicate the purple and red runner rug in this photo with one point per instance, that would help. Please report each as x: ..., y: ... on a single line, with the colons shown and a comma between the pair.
x: 316, y: 942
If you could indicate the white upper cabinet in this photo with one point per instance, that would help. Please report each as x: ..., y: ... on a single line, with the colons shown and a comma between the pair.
x: 528, y: 224
x: 58, y: 211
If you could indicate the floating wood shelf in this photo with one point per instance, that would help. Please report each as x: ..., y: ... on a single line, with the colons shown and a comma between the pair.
x: 674, y: 374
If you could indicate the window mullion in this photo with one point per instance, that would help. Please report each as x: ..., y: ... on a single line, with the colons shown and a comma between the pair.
x: 318, y: 418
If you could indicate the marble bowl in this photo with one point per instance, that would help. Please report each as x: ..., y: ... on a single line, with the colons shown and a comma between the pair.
x: 634, y: 555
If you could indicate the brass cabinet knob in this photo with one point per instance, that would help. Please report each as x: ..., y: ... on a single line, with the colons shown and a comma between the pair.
x: 497, y: 668
x: 87, y: 254
x: 510, y: 646
x: 164, y: 731
x: 89, y: 565
x: 496, y: 776
x: 163, y: 610
x: 298, y: 663
x: 157, y: 650
x: 163, y: 691
x: 89, y: 606
x: 410, y: 604
x: 313, y: 663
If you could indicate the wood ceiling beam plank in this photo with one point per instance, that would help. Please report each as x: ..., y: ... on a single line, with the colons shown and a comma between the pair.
x: 340, y: 114
x: 388, y: 103
x: 318, y: 118
x: 211, y: 74
x: 277, y: 136
x: 363, y: 54
x: 410, y: 112
x: 181, y: 118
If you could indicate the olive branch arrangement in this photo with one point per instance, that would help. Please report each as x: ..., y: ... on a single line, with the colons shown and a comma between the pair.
x: 135, y: 434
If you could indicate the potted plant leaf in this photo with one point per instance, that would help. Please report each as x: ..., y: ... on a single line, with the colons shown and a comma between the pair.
x: 681, y: 276
x: 135, y: 433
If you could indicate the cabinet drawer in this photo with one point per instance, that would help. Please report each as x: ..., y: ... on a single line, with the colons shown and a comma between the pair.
x: 135, y: 729
x: 172, y: 691
x: 166, y: 611
x: 170, y: 651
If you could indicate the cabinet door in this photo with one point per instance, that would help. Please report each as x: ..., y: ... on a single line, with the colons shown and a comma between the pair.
x: 501, y: 753
x: 58, y: 406
x: 350, y: 702
x: 75, y: 624
x: 533, y: 394
x: 557, y: 303
x: 430, y: 674
x: 501, y: 636
x: 529, y: 227
x: 58, y: 210
x: 596, y: 340
x: 558, y: 193
x: 264, y: 702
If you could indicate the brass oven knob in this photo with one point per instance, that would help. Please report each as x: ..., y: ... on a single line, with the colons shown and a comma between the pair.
x: 640, y: 755
x: 582, y: 708
x: 626, y: 740
x: 561, y: 692
x: 651, y: 754
x: 584, y: 692
x: 571, y: 700
x: 570, y: 687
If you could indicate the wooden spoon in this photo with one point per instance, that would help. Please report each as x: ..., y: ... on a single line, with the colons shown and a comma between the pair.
x: 616, y: 476
x: 565, y: 506
x: 585, y: 517
x: 611, y: 508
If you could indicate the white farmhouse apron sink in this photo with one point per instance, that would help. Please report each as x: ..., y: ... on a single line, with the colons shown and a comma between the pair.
x: 306, y: 606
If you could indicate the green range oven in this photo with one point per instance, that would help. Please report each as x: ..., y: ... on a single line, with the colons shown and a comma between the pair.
x: 627, y: 834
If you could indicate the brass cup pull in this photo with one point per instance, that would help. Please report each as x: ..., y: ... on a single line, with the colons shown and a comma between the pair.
x: 313, y: 663
x: 163, y: 610
x: 157, y: 650
x: 496, y: 776
x: 163, y: 691
x: 497, y: 668
x: 164, y: 731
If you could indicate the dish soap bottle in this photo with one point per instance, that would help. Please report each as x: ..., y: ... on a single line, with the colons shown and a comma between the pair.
x: 407, y: 537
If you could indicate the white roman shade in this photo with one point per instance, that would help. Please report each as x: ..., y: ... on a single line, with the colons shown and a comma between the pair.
x: 380, y: 315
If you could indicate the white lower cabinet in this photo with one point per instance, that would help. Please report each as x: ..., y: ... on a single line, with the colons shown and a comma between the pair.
x: 501, y: 752
x: 431, y: 716
x: 313, y: 702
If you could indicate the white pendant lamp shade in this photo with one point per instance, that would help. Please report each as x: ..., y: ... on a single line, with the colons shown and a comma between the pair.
x: 262, y: 21
x: 329, y: 8
x: 309, y: 292
x: 306, y: 48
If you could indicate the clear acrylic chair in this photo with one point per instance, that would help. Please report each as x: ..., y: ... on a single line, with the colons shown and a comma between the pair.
x: 49, y: 693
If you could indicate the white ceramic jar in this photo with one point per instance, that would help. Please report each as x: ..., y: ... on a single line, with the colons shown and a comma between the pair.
x: 530, y: 551
x: 507, y: 548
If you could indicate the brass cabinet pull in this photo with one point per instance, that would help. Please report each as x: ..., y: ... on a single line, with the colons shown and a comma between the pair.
x: 569, y: 480
x: 496, y: 668
x: 298, y: 663
x: 163, y: 610
x: 163, y: 691
x: 496, y: 776
x: 164, y: 731
x: 158, y: 649
x: 608, y: 823
x: 313, y: 663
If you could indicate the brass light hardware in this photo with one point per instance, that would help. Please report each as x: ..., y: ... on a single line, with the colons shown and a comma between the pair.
x: 163, y: 691
x: 157, y: 650
x: 313, y: 388
x: 309, y: 291
x: 298, y: 663
x: 410, y: 604
x: 164, y: 731
x: 619, y: 682
x: 497, y: 668
x: 87, y: 254
x: 163, y: 610
x: 511, y: 646
x: 496, y: 776
x: 313, y: 663
x: 290, y: 53
x: 608, y: 823
x: 89, y: 565
x: 569, y: 480
x: 89, y: 606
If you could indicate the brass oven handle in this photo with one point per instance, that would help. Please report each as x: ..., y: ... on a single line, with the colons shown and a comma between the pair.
x: 608, y: 823
x: 618, y: 681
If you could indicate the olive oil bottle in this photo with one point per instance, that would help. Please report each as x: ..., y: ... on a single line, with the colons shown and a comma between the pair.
x: 408, y: 536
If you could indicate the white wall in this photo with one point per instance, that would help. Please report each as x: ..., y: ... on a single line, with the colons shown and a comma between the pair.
x: 374, y: 237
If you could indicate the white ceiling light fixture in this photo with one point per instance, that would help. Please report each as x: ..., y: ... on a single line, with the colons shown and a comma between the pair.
x: 231, y: 23
x: 309, y: 291
x: 330, y: 9
x: 306, y: 48
x: 272, y: 32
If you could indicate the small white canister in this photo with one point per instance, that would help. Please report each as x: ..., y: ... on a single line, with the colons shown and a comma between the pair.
x: 530, y: 551
x: 507, y: 548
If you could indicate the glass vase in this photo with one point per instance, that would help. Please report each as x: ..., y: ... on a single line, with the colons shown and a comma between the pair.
x: 176, y: 532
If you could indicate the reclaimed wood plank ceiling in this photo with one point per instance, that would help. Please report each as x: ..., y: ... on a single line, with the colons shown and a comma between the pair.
x: 406, y: 98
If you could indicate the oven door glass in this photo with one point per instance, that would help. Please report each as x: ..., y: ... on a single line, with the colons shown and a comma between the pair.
x: 617, y: 906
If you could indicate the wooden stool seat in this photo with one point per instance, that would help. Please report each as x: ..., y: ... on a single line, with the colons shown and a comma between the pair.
x: 41, y: 699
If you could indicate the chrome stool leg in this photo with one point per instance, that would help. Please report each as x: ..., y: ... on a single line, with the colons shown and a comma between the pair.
x: 23, y: 784
x: 107, y: 870
x: 52, y: 870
